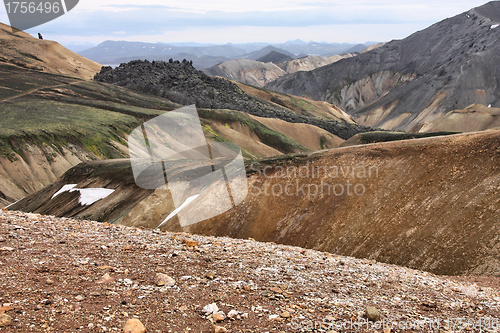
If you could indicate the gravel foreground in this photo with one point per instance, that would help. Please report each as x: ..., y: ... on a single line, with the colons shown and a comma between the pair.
x: 63, y: 275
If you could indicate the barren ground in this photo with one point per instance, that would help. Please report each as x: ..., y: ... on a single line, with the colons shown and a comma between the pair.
x: 50, y: 270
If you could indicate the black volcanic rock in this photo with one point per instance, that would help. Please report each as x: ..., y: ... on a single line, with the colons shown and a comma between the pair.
x: 180, y: 82
x: 450, y: 65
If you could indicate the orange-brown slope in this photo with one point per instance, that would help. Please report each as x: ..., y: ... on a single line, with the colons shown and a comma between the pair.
x: 431, y: 204
x: 21, y: 49
x: 475, y: 117
x: 297, y: 104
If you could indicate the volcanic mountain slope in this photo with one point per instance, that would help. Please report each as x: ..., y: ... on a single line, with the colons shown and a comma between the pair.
x: 310, y: 63
x: 260, y: 73
x: 430, y: 203
x: 407, y: 84
x: 23, y: 50
x: 269, y: 51
x: 275, y: 57
x: 63, y: 275
x: 183, y: 84
x: 247, y: 71
x: 48, y: 121
x: 49, y: 125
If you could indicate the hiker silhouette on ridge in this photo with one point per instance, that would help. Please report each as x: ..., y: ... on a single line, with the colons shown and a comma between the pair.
x: 40, y: 36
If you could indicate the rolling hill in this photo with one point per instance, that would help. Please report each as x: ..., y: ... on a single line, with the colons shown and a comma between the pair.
x: 429, y: 203
x: 23, y: 50
x: 52, y: 122
x: 408, y: 84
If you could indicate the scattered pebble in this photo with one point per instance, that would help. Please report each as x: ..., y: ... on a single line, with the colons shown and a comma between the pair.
x: 210, y: 308
x: 5, y: 320
x: 372, y: 313
x: 106, y: 279
x: 218, y: 329
x: 285, y: 314
x: 218, y: 317
x: 134, y: 326
x: 164, y: 280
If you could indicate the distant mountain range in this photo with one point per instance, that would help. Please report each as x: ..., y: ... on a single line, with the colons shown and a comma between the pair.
x: 205, y: 56
x: 412, y: 83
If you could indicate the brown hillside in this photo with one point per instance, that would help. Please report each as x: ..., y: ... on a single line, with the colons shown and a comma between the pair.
x: 23, y: 50
x: 431, y: 204
x: 475, y: 117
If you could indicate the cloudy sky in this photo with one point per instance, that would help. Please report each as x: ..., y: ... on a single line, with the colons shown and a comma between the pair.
x: 235, y: 21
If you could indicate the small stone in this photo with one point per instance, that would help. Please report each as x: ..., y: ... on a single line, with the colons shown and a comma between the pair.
x: 277, y: 290
x: 218, y: 317
x: 134, y: 326
x: 6, y: 308
x: 164, y: 280
x: 372, y: 313
x: 6, y: 249
x: 49, y: 282
x: 191, y: 243
x: 183, y: 308
x: 210, y: 308
x: 106, y: 267
x: 218, y: 329
x: 79, y: 298
x: 210, y: 275
x: 5, y: 320
x: 387, y: 330
x: 285, y: 314
x: 273, y: 317
x: 247, y: 288
x: 232, y: 314
x: 106, y: 279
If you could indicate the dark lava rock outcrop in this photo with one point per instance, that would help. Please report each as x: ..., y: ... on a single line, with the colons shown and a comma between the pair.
x: 182, y: 83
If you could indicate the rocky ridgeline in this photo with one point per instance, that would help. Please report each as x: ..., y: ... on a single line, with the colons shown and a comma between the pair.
x: 63, y: 275
x: 180, y: 82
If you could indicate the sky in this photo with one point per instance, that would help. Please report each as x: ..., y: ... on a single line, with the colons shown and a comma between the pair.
x: 233, y: 21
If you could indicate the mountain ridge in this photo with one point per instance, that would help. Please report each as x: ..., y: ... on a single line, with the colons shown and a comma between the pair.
x: 405, y: 84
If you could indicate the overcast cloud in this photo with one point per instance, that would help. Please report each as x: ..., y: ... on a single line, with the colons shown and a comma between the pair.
x: 235, y: 21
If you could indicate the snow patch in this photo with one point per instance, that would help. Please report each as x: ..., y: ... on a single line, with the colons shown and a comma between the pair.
x: 175, y: 212
x: 12, y: 204
x: 494, y: 26
x: 88, y: 196
x: 65, y: 188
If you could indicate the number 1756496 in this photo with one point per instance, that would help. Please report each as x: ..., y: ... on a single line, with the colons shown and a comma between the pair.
x: 25, y: 7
